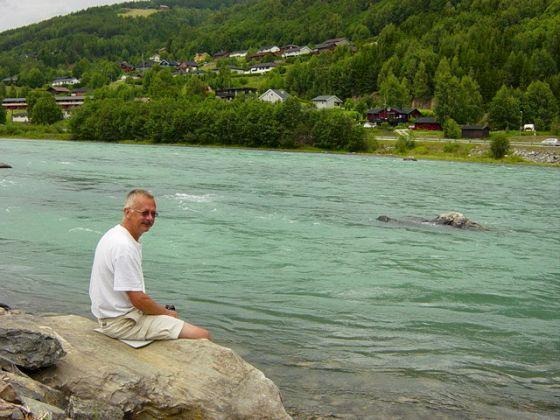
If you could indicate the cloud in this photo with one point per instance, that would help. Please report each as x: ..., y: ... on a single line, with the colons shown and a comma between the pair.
x: 16, y: 13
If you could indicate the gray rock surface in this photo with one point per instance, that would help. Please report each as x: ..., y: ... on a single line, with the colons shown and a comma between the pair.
x: 167, y: 379
x: 79, y: 409
x: 28, y: 346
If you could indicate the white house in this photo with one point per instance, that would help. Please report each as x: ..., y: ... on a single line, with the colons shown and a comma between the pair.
x: 296, y: 51
x: 61, y: 81
x: 261, y: 68
x: 274, y: 95
x: 326, y: 101
x: 273, y: 49
x: 238, y: 54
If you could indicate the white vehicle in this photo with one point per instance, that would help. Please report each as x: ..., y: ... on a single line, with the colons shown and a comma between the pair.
x: 550, y: 142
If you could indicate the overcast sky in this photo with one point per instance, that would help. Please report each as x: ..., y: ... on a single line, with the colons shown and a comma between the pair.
x: 16, y: 13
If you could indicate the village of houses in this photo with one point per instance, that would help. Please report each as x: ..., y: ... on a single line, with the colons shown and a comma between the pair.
x: 69, y: 95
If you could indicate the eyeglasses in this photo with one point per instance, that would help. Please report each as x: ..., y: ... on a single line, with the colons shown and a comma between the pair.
x: 147, y: 213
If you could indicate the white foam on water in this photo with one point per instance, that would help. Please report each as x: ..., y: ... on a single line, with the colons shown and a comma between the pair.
x: 81, y: 229
x: 6, y: 182
x: 193, y: 198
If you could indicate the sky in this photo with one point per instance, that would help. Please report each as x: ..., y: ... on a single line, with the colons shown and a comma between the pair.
x: 16, y: 13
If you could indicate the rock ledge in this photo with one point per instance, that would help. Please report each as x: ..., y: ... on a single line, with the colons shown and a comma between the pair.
x: 105, y: 378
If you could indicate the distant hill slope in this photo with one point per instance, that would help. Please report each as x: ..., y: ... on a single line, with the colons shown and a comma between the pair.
x: 496, y: 42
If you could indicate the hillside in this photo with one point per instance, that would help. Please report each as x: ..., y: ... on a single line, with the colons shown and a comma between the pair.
x: 402, y: 50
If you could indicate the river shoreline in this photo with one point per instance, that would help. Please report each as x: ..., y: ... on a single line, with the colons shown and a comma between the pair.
x: 524, y: 155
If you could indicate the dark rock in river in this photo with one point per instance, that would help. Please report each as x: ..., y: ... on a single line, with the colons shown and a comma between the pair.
x: 453, y: 219
x: 4, y: 165
x: 457, y: 220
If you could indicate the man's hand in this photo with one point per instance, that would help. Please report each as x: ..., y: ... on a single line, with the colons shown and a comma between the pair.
x: 146, y: 304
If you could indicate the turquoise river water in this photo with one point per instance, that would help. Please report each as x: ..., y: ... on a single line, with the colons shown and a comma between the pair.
x: 280, y: 255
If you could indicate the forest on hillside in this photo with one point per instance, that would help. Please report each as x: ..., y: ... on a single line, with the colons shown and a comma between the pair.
x: 474, y: 57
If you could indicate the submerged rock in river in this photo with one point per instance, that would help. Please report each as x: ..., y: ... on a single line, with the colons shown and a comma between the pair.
x: 4, y: 165
x: 453, y: 219
x: 457, y: 220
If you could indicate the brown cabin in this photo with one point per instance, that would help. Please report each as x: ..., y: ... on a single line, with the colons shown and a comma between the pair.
x: 475, y: 131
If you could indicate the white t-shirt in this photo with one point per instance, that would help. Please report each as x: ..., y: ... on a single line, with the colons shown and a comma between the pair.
x: 117, y: 268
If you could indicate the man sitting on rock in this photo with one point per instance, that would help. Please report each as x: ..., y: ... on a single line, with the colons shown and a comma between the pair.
x: 118, y: 297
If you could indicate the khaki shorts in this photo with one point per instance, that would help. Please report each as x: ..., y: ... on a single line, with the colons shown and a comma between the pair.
x: 134, y: 325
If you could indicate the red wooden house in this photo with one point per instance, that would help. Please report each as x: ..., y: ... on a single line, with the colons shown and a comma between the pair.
x: 391, y: 115
x: 427, y: 123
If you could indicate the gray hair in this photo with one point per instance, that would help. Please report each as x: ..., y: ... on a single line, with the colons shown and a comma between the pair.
x: 132, y: 195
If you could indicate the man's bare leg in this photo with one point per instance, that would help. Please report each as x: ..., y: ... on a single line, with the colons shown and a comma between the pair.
x: 194, y: 332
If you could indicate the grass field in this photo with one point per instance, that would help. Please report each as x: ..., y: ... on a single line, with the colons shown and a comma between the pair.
x: 135, y: 13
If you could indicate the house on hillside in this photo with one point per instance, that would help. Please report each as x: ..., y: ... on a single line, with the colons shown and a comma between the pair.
x: 187, y: 67
x: 475, y: 131
x: 295, y: 51
x: 144, y: 66
x: 230, y: 93
x: 79, y: 92
x: 10, y: 80
x: 261, y: 68
x: 168, y: 63
x: 427, y: 123
x: 273, y: 49
x: 126, y: 67
x: 326, y: 101
x: 238, y: 54
x: 331, y: 44
x: 14, y: 103
x: 58, y: 90
x: 69, y: 102
x: 274, y: 95
x: 65, y: 81
x: 220, y: 54
x: 392, y: 115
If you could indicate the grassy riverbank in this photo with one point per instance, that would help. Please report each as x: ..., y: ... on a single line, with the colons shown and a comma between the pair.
x: 427, y: 145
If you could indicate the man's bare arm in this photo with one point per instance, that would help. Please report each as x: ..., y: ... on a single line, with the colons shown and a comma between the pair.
x: 146, y: 304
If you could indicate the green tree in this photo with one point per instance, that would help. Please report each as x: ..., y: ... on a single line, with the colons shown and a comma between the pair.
x: 446, y: 88
x: 405, y: 143
x: 32, y: 77
x: 393, y: 92
x: 469, y: 101
x: 451, y: 129
x: 540, y: 105
x: 499, y: 146
x: 2, y: 115
x: 421, y: 83
x: 505, y: 109
x: 46, y: 111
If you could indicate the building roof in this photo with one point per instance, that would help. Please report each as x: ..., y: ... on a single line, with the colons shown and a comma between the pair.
x: 13, y: 100
x: 426, y: 120
x: 279, y: 92
x: 474, y: 127
x: 323, y: 98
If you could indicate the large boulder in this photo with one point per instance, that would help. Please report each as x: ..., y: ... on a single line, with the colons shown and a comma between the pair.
x: 167, y: 379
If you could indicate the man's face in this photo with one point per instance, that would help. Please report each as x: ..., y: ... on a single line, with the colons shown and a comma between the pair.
x: 141, y: 216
